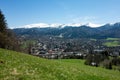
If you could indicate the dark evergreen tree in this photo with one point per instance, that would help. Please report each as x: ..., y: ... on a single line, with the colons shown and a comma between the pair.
x: 3, y: 24
x: 3, y: 31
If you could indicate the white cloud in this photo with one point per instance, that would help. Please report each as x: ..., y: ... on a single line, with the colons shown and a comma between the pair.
x: 89, y: 18
x: 85, y: 19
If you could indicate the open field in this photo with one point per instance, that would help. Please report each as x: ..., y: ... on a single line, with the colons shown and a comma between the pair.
x: 112, y: 44
x: 19, y: 66
x: 113, y: 39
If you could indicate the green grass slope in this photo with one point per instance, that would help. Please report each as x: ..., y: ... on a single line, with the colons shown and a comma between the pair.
x: 18, y: 66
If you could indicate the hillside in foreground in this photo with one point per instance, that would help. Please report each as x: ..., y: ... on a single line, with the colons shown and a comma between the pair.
x: 18, y: 66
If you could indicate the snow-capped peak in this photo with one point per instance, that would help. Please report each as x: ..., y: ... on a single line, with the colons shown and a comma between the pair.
x: 57, y: 25
x: 44, y: 25
x: 38, y: 25
x: 93, y: 25
x: 73, y: 24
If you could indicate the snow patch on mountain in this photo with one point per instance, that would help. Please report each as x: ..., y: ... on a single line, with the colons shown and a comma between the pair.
x: 93, y: 25
x: 57, y: 25
x: 73, y: 25
x: 38, y: 25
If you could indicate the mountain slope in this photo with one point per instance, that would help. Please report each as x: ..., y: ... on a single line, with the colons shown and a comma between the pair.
x: 18, y: 66
x: 109, y: 30
x: 67, y: 32
x: 83, y: 31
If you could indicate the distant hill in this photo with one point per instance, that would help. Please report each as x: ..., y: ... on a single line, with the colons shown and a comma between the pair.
x: 83, y: 31
x: 19, y: 66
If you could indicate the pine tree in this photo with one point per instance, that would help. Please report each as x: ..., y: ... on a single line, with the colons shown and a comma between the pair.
x: 3, y: 27
x: 3, y: 24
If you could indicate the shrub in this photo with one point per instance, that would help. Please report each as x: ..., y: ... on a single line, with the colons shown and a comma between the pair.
x: 107, y: 64
x: 95, y: 59
x: 116, y: 61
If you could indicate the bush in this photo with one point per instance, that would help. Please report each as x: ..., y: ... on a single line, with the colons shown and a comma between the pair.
x: 116, y: 61
x: 88, y: 60
x: 95, y: 59
x: 107, y: 64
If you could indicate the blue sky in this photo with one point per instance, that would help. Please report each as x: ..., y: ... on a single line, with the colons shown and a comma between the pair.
x: 23, y: 12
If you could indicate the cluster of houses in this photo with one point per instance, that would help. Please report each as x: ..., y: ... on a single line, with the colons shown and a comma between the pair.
x: 64, y: 49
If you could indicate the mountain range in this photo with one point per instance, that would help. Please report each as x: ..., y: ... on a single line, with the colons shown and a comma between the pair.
x: 71, y: 31
x: 57, y: 25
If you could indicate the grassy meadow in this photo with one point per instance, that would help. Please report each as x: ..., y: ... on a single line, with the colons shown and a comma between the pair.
x: 19, y: 66
x: 112, y: 42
